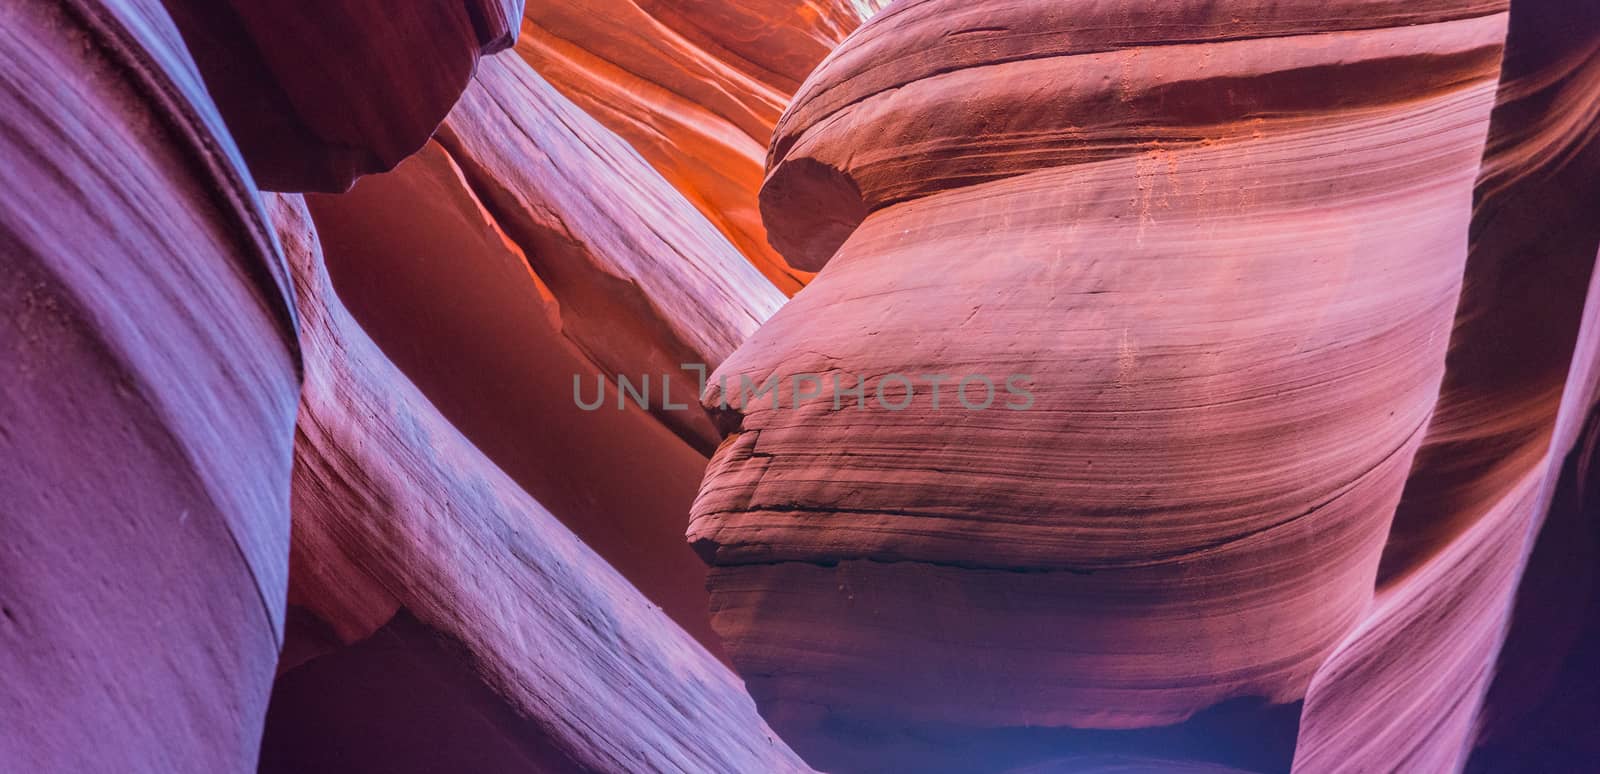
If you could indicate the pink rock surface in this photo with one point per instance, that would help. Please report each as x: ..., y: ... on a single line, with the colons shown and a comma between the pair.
x: 396, y: 510
x: 147, y: 398
x: 320, y: 92
x: 1227, y: 256
x: 1539, y: 709
x: 695, y: 86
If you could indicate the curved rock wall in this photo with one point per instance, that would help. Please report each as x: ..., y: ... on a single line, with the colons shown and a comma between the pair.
x: 1281, y: 320
x: 453, y: 302
x: 148, y: 374
x: 644, y: 283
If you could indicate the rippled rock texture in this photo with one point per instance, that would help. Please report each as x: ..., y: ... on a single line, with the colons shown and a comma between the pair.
x: 1226, y: 245
x: 148, y: 375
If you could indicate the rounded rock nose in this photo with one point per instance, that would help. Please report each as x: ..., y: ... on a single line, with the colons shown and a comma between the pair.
x: 810, y: 208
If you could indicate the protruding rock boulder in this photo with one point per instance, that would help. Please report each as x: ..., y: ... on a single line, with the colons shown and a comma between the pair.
x: 1218, y: 246
x: 320, y: 92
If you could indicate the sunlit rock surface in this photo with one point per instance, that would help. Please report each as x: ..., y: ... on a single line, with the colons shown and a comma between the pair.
x: 1226, y: 255
x: 695, y: 86
x: 147, y: 400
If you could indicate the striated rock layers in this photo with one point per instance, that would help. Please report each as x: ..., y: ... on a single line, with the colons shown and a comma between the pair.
x: 147, y: 400
x: 1222, y: 246
x: 695, y: 86
x: 320, y: 92
x: 473, y: 617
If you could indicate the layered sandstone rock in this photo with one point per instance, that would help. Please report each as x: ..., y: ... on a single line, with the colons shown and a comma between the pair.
x: 1220, y: 248
x: 695, y: 86
x: 319, y: 92
x: 447, y: 577
x: 931, y: 97
x: 147, y: 398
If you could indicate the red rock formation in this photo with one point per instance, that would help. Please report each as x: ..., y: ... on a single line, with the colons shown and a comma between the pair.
x: 147, y: 396
x: 1404, y: 689
x: 695, y: 87
x: 1226, y: 256
x: 453, y: 302
x: 1302, y: 416
x: 644, y: 283
x: 396, y: 510
x: 319, y: 92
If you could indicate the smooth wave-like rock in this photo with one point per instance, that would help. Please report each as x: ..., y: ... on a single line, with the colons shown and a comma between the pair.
x: 645, y: 284
x: 442, y: 573
x: 148, y: 373
x: 1540, y: 705
x: 453, y: 302
x: 1224, y: 260
x: 1405, y: 689
x: 694, y: 86
x: 320, y: 92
